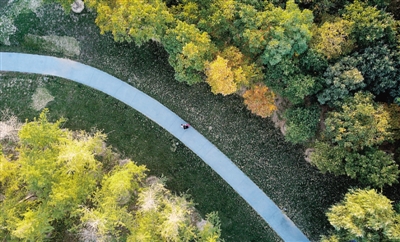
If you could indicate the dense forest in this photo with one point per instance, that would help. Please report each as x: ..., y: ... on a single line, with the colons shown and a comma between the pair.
x: 328, y: 69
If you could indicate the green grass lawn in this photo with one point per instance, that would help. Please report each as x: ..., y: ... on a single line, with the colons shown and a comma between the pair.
x: 252, y: 143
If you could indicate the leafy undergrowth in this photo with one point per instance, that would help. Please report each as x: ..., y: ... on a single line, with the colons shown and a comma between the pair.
x: 251, y: 142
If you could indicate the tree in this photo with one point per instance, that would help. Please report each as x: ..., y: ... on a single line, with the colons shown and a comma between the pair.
x: 360, y: 123
x: 350, y: 143
x: 372, y: 167
x: 217, y: 18
x: 287, y: 80
x: 231, y: 70
x: 133, y: 20
x: 110, y: 213
x: 162, y: 216
x: 66, y: 4
x: 275, y: 33
x: 220, y: 77
x: 189, y: 50
x: 332, y: 39
x: 249, y: 31
x: 370, y: 24
x: 53, y: 174
x: 379, y: 66
x: 245, y: 71
x: 56, y: 178
x: 365, y: 215
x: 313, y: 63
x: 260, y: 100
x: 301, y: 123
x: 329, y: 158
x: 341, y: 80
x: 289, y: 32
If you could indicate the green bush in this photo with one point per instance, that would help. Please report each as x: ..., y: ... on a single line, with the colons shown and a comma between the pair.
x: 302, y: 123
x: 341, y: 81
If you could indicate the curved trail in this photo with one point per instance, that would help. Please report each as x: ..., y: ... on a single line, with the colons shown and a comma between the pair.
x: 164, y: 117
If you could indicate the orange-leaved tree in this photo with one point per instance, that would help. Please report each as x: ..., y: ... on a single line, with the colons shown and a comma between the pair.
x: 260, y: 100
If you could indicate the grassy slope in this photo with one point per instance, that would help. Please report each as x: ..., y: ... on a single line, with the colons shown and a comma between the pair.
x: 251, y: 142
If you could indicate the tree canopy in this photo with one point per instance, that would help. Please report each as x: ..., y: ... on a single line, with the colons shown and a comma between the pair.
x: 364, y: 215
x: 370, y: 24
x: 351, y: 141
x: 57, y: 177
x: 133, y: 20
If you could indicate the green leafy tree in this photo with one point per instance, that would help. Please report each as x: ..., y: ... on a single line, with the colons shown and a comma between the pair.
x: 289, y: 32
x: 379, y: 66
x: 360, y: 123
x: 372, y: 167
x: 217, y: 18
x: 301, y: 123
x: 329, y: 158
x: 189, y: 49
x: 370, y: 24
x: 275, y: 33
x: 249, y: 31
x: 313, y: 63
x: 341, y: 81
x: 365, y: 215
x: 287, y: 80
x: 394, y: 119
x: 350, y: 143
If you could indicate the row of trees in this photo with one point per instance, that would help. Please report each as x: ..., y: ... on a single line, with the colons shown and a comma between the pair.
x: 61, y: 182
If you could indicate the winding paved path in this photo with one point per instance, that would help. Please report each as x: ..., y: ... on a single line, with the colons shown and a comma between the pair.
x: 155, y: 111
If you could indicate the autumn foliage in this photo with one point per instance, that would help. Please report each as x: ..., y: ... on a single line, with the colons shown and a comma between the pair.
x: 260, y: 100
x: 220, y: 77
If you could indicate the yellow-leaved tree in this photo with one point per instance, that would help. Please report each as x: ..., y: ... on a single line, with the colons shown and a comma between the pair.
x: 220, y: 77
x: 230, y: 70
x: 132, y: 20
x: 57, y: 182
